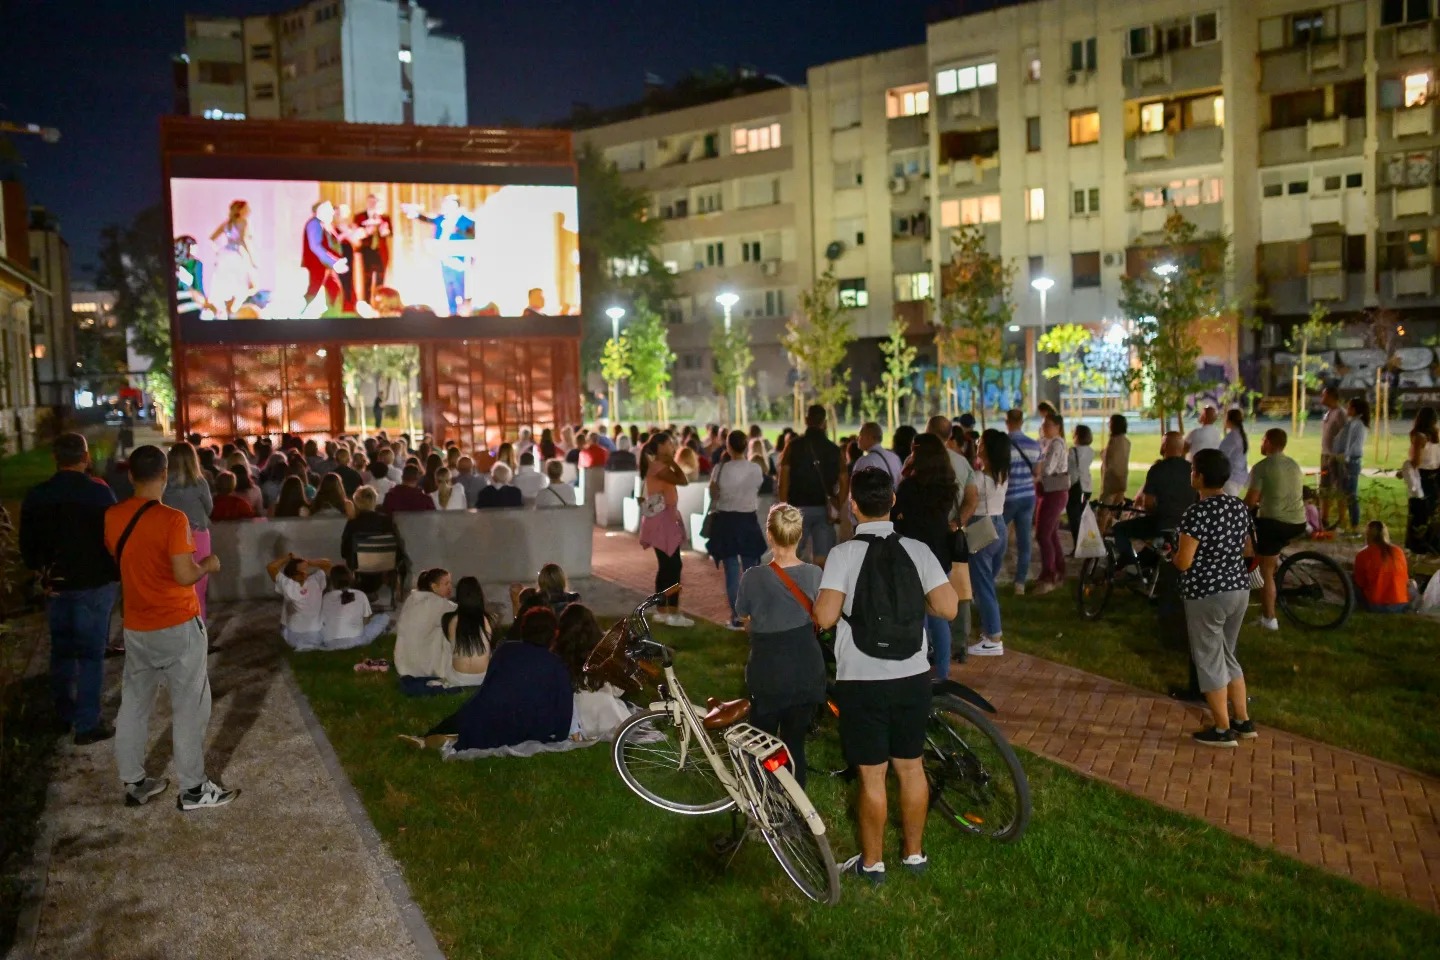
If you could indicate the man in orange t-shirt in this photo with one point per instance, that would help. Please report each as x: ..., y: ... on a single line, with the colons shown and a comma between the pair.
x: 164, y: 637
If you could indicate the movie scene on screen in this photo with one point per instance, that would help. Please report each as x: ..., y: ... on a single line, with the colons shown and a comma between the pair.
x: 306, y: 249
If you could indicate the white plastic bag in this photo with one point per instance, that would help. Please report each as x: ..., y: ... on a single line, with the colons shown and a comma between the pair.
x: 1430, y: 599
x: 1411, y: 476
x: 1088, y: 543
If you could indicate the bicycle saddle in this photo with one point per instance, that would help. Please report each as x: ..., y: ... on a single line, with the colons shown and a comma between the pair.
x: 722, y: 715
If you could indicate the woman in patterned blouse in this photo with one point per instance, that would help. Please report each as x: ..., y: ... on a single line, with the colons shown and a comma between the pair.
x: 1215, y: 536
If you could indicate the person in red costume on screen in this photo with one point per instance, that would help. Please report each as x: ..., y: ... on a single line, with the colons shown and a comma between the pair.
x: 322, y: 256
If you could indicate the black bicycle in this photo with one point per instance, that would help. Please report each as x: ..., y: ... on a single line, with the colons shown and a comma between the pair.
x: 1100, y: 575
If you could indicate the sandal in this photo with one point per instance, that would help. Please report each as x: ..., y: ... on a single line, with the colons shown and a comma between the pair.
x: 376, y: 665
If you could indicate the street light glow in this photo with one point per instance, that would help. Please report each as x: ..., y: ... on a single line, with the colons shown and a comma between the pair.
x: 615, y: 313
x: 727, y: 299
x: 1042, y: 284
x: 1166, y: 270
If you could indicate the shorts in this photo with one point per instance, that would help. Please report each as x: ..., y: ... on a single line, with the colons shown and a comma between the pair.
x: 1272, y: 536
x: 881, y: 720
x: 1333, y: 473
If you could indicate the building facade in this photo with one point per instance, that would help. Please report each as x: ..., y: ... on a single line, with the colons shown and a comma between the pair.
x: 18, y: 289
x: 357, y: 61
x: 1070, y: 129
x: 52, y: 325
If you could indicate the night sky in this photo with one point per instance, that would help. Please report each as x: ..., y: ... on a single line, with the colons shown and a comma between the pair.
x: 100, y: 71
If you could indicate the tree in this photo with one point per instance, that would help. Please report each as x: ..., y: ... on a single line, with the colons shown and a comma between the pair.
x: 399, y: 363
x: 818, y: 336
x: 1169, y: 310
x: 1071, y: 343
x: 1309, y: 370
x: 615, y: 229
x: 615, y: 368
x: 895, y: 382
x: 136, y: 262
x: 650, y: 359
x: 733, y: 360
x: 975, y: 309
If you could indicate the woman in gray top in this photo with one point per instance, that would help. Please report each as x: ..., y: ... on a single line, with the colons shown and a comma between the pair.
x: 186, y: 490
x: 786, y: 670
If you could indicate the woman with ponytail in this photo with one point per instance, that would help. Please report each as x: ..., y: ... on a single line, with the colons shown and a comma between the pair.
x: 344, y: 611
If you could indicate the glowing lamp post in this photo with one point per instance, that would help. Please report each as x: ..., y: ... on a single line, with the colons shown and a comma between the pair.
x: 727, y: 301
x: 615, y: 314
x: 1042, y: 286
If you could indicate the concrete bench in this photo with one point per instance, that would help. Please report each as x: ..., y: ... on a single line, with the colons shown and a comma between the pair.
x: 618, y: 484
x: 497, y: 546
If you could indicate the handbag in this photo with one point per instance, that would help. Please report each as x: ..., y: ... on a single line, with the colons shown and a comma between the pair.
x: 653, y: 505
x: 1252, y: 563
x: 832, y: 512
x: 707, y: 525
x: 980, y: 534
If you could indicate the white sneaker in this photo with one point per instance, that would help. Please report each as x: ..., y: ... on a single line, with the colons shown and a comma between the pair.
x: 1272, y: 623
x: 208, y: 794
x: 986, y: 648
x: 680, y: 620
x: 1019, y: 589
x: 661, y: 618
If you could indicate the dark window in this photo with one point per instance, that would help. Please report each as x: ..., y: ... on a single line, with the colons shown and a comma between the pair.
x: 1307, y: 27
x: 1085, y: 269
x: 262, y: 51
x: 264, y: 91
x: 1037, y: 267
x: 1090, y: 59
x: 860, y: 238
x: 712, y: 146
x: 1082, y: 55
x: 1206, y: 28
x: 967, y: 146
x: 1350, y: 99
x: 224, y: 74
x: 1332, y: 183
x: 1391, y: 11
x: 1274, y: 189
x: 1296, y: 109
x: 1417, y: 10
x: 1032, y: 134
x: 1355, y: 252
x: 1354, y: 180
x: 1297, y: 186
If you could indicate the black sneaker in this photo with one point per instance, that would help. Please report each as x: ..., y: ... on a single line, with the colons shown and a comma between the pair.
x: 101, y: 731
x: 139, y: 794
x: 1215, y: 737
x: 208, y: 794
x: 1244, y: 729
x: 855, y: 865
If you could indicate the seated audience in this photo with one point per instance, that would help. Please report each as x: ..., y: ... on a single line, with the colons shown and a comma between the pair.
x: 408, y: 497
x: 228, y: 505
x: 528, y: 480
x: 556, y: 493
x: 381, y: 478
x: 301, y: 583
x: 350, y: 477
x: 592, y: 454
x: 470, y: 629
x: 552, y: 589
x: 447, y: 495
x: 1311, y: 499
x: 272, y: 478
x: 245, y: 486
x: 422, y: 653
x: 1382, y: 575
x: 598, y: 708
x: 292, y: 501
x: 624, y: 457
x: 344, y: 611
x: 368, y: 522
x: 330, y: 499
x: 500, y: 493
x: 469, y: 480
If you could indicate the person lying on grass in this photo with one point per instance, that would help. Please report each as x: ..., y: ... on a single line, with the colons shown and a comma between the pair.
x: 301, y: 583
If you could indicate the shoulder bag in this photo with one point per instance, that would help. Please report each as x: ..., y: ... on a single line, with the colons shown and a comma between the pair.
x: 129, y: 529
x: 707, y: 526
x: 805, y: 602
x: 832, y: 512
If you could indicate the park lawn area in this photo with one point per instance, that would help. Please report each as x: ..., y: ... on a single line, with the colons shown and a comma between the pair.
x: 553, y: 857
x: 21, y: 471
x: 1372, y: 686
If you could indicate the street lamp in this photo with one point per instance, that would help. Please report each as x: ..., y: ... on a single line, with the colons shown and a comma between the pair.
x: 1166, y: 270
x: 614, y: 313
x: 1042, y: 286
x: 727, y: 301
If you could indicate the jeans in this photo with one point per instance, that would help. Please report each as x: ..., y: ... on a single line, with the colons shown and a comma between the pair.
x: 984, y: 565
x: 1074, y: 509
x: 1352, y: 488
x: 178, y: 656
x: 734, y: 568
x: 1137, y: 528
x: 1052, y: 553
x: 790, y: 724
x: 818, y: 534
x: 938, y: 630
x: 79, y: 629
x: 454, y: 287
x: 1021, y: 513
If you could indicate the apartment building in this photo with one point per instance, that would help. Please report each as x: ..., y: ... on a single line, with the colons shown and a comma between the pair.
x: 18, y: 288
x: 729, y: 178
x: 357, y: 61
x: 52, y: 327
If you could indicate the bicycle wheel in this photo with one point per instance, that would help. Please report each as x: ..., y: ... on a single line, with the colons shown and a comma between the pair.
x: 648, y: 756
x: 1313, y: 591
x: 1094, y: 586
x: 976, y: 780
x: 785, y: 818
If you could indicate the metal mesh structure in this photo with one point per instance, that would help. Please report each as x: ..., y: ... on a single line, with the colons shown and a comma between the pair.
x: 481, y: 392
x: 226, y: 392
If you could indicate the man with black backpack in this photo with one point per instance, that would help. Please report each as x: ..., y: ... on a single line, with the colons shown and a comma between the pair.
x: 809, y: 479
x: 876, y: 591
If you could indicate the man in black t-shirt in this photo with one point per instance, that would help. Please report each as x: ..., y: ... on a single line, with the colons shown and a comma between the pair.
x: 1165, y: 497
x: 810, y: 480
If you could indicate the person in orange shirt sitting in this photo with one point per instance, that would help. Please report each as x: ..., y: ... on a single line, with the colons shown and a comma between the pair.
x: 229, y: 505
x: 1381, y: 574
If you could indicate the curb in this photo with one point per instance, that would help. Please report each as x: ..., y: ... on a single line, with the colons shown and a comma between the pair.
x: 415, y: 924
x: 36, y: 876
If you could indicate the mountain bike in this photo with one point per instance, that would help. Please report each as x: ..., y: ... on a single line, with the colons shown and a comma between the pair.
x: 688, y: 761
x: 1099, y: 575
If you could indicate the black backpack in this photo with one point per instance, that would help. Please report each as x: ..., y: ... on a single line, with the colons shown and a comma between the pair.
x: 887, y: 614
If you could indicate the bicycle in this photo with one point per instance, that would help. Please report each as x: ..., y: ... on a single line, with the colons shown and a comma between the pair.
x: 1098, y: 575
x: 1313, y: 590
x: 669, y: 756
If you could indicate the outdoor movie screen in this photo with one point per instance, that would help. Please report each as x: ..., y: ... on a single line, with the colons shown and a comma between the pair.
x: 421, y: 255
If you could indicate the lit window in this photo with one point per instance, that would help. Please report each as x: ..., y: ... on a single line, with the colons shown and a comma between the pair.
x: 756, y: 139
x: 1184, y: 193
x: 1035, y: 204
x: 958, y: 79
x: 1417, y: 89
x: 1152, y: 118
x: 1219, y: 111
x: 912, y: 286
x: 405, y: 56
x: 1212, y: 190
x: 950, y: 213
x: 984, y: 209
x: 853, y: 293
x: 908, y: 101
x: 1084, y: 127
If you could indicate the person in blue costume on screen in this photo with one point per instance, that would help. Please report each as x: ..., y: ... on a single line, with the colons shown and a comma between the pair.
x: 452, y: 228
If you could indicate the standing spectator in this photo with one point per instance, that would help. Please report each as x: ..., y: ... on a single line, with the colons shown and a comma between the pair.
x: 62, y: 538
x: 1054, y: 494
x: 925, y: 501
x: 528, y: 480
x: 350, y: 478
x: 1214, y: 537
x: 1020, y: 495
x: 1236, y: 447
x: 188, y: 492
x: 1277, y: 488
x: 377, y: 409
x: 809, y: 479
x: 1115, y: 461
x: 499, y: 493
x: 165, y: 637
x: 1357, y: 428
x: 884, y: 703
x: 991, y: 481
x: 785, y: 672
x: 1382, y: 576
x: 1082, y: 457
x: 408, y: 497
x: 901, y: 442
x: 556, y: 492
x: 871, y: 442
x: 1422, y: 529
x: 1206, y: 436
x: 661, y: 528
x: 272, y: 478
x: 228, y: 504
x: 1333, y: 484
x: 1166, y: 496
x: 735, y: 543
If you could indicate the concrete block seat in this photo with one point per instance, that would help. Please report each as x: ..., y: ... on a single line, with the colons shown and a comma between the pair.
x: 497, y: 546
x: 609, y: 498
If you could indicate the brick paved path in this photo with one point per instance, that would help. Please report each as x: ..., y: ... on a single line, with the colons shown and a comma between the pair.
x: 1376, y: 823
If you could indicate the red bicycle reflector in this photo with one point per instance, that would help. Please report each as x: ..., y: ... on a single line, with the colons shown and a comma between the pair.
x: 776, y: 760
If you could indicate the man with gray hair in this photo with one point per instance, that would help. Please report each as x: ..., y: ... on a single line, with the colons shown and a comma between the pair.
x: 1206, y: 436
x: 872, y: 441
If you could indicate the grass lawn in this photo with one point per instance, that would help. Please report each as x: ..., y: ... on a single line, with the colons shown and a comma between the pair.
x: 21, y: 471
x: 554, y: 857
x: 1372, y: 686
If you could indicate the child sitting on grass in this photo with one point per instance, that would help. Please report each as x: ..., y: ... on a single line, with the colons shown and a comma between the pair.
x: 1312, y: 511
x: 301, y: 583
x: 344, y: 611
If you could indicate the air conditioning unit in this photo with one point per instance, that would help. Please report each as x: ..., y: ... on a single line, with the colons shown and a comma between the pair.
x: 1113, y: 259
x: 770, y: 268
x: 1072, y: 78
x: 898, y: 185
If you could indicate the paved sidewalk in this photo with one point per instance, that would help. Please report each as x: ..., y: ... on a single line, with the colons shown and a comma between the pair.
x: 1353, y: 815
x: 284, y: 871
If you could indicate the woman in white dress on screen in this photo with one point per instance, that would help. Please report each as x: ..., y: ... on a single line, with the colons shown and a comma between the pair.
x: 234, y: 263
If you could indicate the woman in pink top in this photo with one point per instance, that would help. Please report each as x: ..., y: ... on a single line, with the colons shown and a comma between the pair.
x: 661, y: 528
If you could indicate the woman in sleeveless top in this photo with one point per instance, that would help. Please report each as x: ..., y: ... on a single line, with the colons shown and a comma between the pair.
x: 661, y: 528
x: 234, y: 264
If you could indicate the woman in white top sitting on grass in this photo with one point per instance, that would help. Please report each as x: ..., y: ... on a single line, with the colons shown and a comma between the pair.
x: 470, y: 631
x: 448, y: 495
x: 346, y: 613
x: 422, y: 654
x: 301, y: 583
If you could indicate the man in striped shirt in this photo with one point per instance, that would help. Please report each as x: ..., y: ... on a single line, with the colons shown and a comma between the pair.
x: 1020, y: 495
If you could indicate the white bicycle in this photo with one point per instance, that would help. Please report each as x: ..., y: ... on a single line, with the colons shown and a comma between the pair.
x: 686, y: 760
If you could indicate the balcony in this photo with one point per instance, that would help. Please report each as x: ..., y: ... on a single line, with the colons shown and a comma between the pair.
x: 1208, y: 218
x: 1413, y: 121
x: 1412, y: 40
x: 1188, y: 148
x: 1327, y: 285
x: 1326, y: 61
x: 1316, y: 140
x: 1155, y: 146
x: 1340, y: 291
x: 1413, y: 281
x: 980, y: 172
x: 1321, y: 134
x: 1325, y: 209
x: 905, y: 132
x: 969, y: 108
x: 1414, y: 202
x: 1193, y: 68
